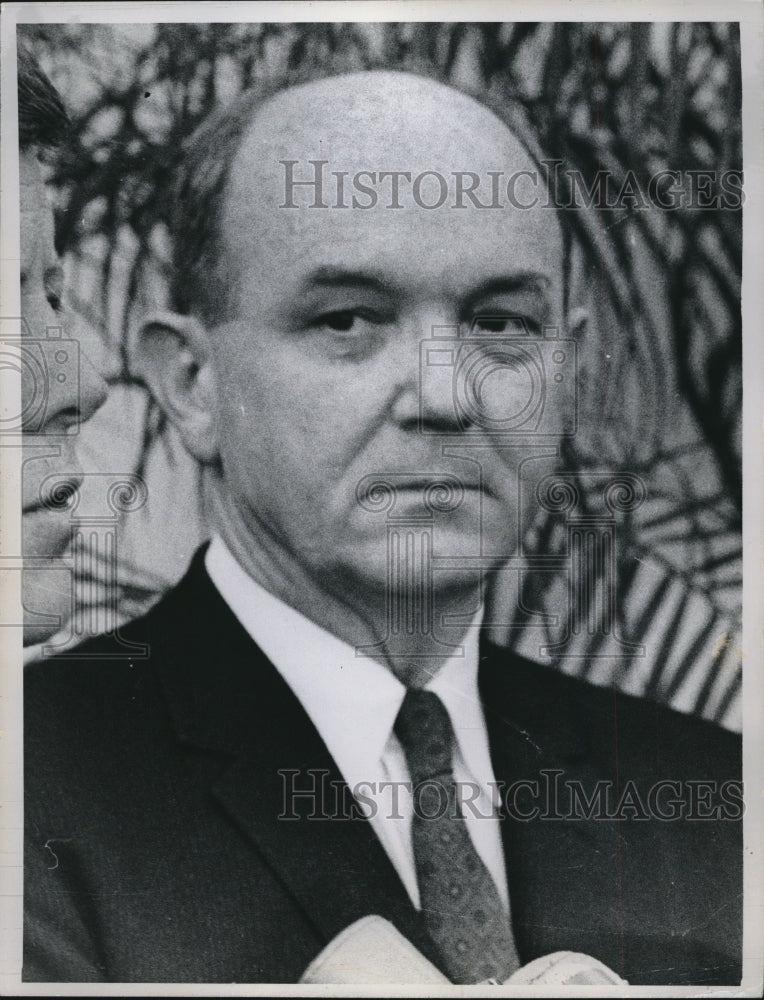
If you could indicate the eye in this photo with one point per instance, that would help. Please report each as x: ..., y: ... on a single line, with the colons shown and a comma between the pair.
x: 512, y: 325
x: 352, y: 334
x: 54, y: 285
x: 355, y: 320
x: 341, y: 322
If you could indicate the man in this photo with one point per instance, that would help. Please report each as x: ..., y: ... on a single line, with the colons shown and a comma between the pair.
x: 190, y: 817
x: 60, y: 387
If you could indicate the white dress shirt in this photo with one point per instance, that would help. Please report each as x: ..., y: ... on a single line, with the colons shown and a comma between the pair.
x: 353, y: 702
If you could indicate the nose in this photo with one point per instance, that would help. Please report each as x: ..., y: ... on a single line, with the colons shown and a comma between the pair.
x: 426, y: 399
x: 75, y: 387
x: 93, y: 389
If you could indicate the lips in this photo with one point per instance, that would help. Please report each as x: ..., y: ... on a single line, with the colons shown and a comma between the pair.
x: 421, y: 483
x: 440, y: 492
x: 55, y: 494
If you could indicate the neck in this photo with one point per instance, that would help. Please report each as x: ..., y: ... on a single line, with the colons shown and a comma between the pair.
x: 354, y: 612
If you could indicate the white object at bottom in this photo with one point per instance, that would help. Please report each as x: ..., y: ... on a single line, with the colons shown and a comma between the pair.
x: 372, y: 952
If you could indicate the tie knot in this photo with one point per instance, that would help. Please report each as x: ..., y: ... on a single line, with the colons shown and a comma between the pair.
x: 426, y: 735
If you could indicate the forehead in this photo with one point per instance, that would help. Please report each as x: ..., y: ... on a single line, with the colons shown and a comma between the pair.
x: 37, y: 227
x: 363, y: 127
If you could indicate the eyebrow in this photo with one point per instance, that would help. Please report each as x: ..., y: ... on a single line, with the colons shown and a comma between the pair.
x: 327, y: 276
x: 336, y: 277
x: 523, y: 281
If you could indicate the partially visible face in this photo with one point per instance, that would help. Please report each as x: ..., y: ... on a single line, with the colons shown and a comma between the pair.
x: 58, y: 393
x: 319, y: 373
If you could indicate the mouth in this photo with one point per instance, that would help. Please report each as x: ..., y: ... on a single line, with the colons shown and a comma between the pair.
x: 56, y: 494
x: 439, y: 491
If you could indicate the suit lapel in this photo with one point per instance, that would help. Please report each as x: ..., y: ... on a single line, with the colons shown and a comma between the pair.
x: 332, y: 864
x: 536, y: 737
x: 226, y: 696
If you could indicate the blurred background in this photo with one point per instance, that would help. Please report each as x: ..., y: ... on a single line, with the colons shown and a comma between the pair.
x: 660, y: 365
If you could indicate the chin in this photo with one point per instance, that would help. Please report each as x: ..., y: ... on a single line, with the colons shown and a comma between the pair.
x: 400, y: 559
x: 35, y: 634
x: 47, y: 598
x: 45, y: 534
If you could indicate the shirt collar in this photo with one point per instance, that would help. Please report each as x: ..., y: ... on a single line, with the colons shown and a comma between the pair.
x: 456, y: 684
x: 352, y: 700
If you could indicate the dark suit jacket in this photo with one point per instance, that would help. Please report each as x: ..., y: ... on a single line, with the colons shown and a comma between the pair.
x: 155, y: 851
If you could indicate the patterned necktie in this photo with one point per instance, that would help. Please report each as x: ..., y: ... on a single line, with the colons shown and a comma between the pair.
x: 462, y: 909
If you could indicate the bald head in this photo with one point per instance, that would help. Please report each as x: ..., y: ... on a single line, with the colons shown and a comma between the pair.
x: 392, y: 116
x: 377, y: 159
x: 374, y: 143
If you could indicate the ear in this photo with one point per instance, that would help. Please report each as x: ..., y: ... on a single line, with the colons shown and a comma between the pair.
x: 173, y: 358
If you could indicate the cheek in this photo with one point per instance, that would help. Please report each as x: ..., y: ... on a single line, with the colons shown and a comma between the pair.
x: 273, y: 457
x: 32, y: 329
x: 283, y: 404
x: 45, y: 535
x: 297, y: 432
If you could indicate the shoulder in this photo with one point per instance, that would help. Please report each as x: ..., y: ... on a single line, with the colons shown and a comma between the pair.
x: 102, y: 701
x: 124, y: 658
x: 101, y: 663
x: 606, y: 721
